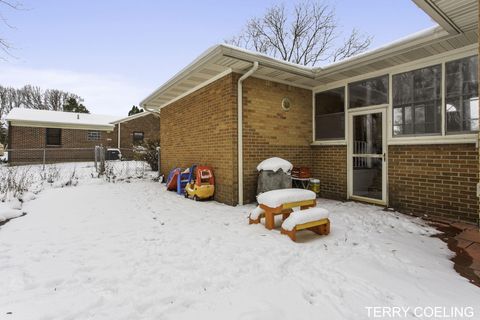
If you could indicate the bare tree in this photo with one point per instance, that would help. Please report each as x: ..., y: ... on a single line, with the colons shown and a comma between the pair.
x: 33, y: 97
x: 306, y: 36
x: 5, y: 46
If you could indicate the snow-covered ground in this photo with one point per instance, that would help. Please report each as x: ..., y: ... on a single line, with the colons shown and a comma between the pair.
x: 132, y: 250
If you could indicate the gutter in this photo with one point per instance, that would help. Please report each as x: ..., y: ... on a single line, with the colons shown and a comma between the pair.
x: 150, y: 110
x: 240, y: 129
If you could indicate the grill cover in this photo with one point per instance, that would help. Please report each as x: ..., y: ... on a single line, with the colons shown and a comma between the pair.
x: 271, y: 180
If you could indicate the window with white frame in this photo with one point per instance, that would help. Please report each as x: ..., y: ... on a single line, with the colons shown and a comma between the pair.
x: 369, y: 92
x: 461, y: 97
x: 94, y: 135
x: 330, y: 114
x: 417, y: 98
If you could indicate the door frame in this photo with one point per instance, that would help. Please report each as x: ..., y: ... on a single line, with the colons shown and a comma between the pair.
x: 351, y: 113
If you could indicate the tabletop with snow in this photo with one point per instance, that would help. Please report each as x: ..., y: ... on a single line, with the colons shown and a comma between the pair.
x: 276, y: 198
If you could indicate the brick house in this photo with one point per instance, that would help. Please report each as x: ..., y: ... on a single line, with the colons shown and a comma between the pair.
x: 57, y: 136
x: 134, y: 130
x: 67, y: 136
x: 395, y: 126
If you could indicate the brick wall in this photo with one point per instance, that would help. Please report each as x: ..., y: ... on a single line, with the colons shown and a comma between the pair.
x: 329, y: 164
x: 148, y: 124
x: 21, y: 138
x: 201, y: 129
x: 270, y: 131
x: 437, y: 180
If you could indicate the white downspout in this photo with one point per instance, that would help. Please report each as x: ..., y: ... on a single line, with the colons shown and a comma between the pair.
x: 240, y: 129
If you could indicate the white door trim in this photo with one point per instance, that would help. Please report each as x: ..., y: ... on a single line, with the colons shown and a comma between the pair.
x: 351, y: 113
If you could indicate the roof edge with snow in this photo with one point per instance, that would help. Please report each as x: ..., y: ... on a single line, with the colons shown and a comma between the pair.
x: 223, y: 58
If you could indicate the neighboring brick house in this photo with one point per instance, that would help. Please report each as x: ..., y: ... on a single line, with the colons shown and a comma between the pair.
x: 134, y: 130
x: 68, y: 136
x: 396, y: 126
x: 56, y: 136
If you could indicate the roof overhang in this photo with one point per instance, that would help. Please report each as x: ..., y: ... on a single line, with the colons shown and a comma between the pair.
x: 134, y: 116
x: 46, y: 124
x: 223, y: 59
x: 455, y: 17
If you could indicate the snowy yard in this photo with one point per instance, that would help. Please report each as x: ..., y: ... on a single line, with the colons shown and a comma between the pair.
x: 132, y: 250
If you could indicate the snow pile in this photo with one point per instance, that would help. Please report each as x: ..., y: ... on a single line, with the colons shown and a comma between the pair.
x: 304, y: 216
x: 256, y: 213
x: 10, y: 210
x: 275, y: 164
x: 135, y: 251
x: 276, y: 198
x: 19, y: 184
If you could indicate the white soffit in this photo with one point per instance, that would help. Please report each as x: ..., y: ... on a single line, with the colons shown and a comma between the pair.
x: 454, y: 16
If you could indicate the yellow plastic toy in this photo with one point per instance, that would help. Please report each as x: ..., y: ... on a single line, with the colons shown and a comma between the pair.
x: 201, y: 183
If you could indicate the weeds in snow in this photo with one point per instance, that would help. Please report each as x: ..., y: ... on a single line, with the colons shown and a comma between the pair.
x: 14, y: 181
x: 51, y: 174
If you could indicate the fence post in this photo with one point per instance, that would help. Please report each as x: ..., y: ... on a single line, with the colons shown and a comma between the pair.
x: 102, y: 159
x: 44, y: 150
x: 95, y: 152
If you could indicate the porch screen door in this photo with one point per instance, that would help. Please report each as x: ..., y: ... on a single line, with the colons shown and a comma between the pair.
x: 367, y: 156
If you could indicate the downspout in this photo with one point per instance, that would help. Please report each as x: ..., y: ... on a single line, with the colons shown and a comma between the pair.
x: 240, y: 129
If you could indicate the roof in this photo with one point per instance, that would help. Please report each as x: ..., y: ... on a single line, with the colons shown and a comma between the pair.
x: 222, y: 59
x: 453, y: 16
x: 134, y: 116
x: 59, y: 119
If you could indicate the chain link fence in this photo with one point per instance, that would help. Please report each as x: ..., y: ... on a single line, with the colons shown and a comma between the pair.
x: 99, y: 156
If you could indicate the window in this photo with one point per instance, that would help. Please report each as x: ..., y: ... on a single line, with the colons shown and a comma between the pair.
x: 368, y: 92
x: 54, y: 137
x: 461, y: 99
x: 330, y: 114
x: 417, y: 102
x: 94, y: 135
x: 137, y: 138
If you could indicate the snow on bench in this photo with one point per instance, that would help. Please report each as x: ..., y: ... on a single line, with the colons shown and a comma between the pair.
x: 277, y: 198
x: 304, y: 216
x: 281, y: 201
x: 313, y: 219
x: 257, y: 213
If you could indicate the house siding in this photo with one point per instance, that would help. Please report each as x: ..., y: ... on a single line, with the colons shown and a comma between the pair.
x: 22, y: 141
x: 201, y: 129
x: 434, y: 180
x: 148, y: 124
x: 270, y: 131
x: 329, y: 164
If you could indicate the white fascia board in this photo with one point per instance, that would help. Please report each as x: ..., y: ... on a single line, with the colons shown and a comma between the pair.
x: 134, y: 116
x: 35, y: 124
x: 267, y: 61
x: 201, y: 85
x: 407, y: 43
x: 209, y: 53
x: 438, y: 16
